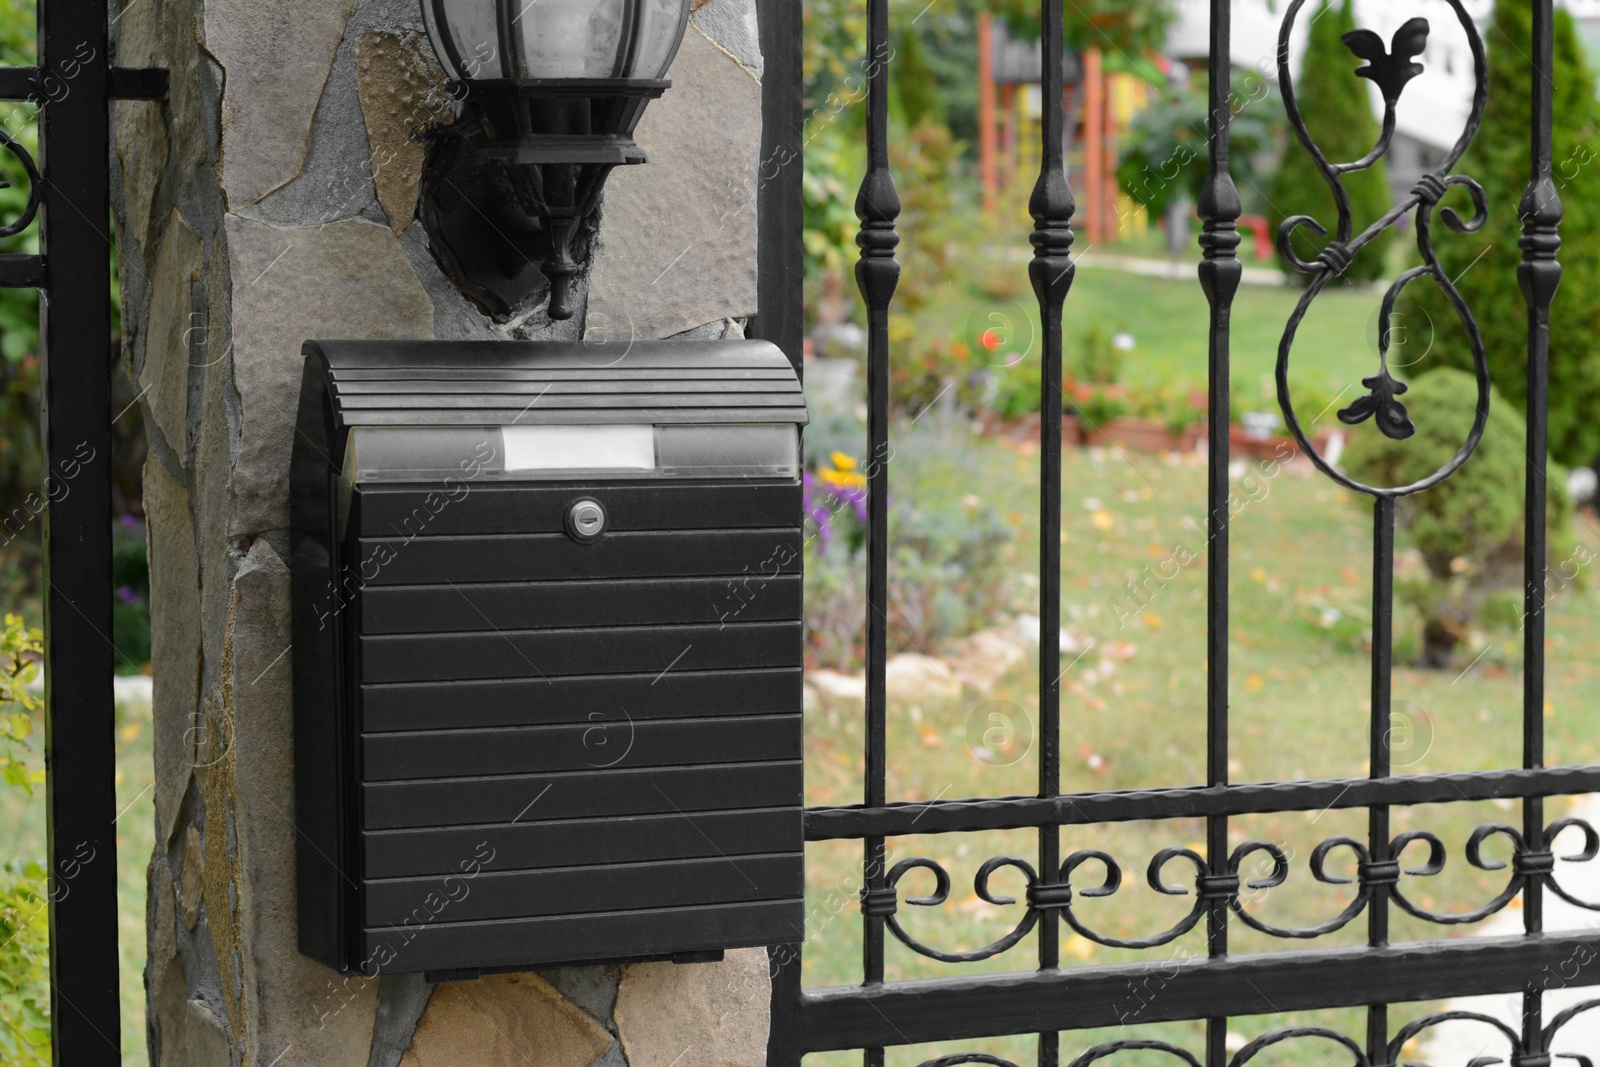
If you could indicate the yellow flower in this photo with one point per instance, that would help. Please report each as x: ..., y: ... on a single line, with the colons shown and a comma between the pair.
x: 843, y: 462
x: 844, y: 479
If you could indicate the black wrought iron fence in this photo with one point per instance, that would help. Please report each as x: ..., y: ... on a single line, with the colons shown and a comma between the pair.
x: 73, y: 87
x: 1048, y: 998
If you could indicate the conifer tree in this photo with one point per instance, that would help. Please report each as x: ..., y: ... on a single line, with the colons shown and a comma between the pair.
x: 1337, y: 110
x: 1485, y: 264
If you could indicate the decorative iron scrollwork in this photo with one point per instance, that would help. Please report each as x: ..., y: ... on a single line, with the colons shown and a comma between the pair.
x: 1393, y: 1052
x: 1389, y: 69
x: 1526, y: 867
x: 1111, y: 1048
x: 1562, y: 1020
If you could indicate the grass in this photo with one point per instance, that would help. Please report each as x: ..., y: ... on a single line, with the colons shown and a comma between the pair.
x: 1134, y: 716
x: 1335, y: 347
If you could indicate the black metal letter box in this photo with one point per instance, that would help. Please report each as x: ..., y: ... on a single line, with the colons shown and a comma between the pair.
x: 547, y: 652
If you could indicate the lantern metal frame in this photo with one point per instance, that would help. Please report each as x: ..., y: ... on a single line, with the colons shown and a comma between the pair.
x: 510, y: 190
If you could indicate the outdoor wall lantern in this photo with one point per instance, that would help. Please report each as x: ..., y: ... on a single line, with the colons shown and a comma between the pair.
x: 552, y: 92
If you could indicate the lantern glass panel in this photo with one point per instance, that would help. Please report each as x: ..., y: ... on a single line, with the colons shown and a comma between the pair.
x: 660, y: 32
x: 572, y: 38
x: 465, y: 37
x: 556, y: 38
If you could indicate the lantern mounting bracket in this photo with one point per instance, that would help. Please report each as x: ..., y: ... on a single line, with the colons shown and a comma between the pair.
x: 510, y: 189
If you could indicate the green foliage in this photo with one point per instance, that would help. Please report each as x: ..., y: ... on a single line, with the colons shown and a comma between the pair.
x: 20, y: 649
x: 914, y: 90
x: 833, y: 166
x: 24, y: 966
x: 1338, y: 112
x: 1165, y: 149
x: 1121, y: 28
x: 1484, y: 264
x: 1468, y: 529
x: 24, y: 918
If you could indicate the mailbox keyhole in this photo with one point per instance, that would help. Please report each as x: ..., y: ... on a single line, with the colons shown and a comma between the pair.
x: 586, y: 521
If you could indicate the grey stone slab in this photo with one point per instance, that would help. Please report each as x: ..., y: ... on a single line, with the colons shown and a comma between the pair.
x: 209, y: 491
x: 348, y: 279
x: 276, y: 57
x: 164, y: 377
x: 702, y: 1013
x: 403, y: 95
x: 594, y: 989
x: 174, y: 641
x: 402, y: 998
x: 140, y: 130
x: 733, y: 25
x: 300, y: 1015
x: 678, y: 234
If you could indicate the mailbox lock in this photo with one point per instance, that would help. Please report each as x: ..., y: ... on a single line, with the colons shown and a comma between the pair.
x: 586, y: 521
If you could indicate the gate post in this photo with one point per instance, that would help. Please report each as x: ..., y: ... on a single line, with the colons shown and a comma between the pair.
x: 76, y: 424
x: 273, y: 200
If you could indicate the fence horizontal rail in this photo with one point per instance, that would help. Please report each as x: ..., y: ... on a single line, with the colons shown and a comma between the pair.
x: 1256, y: 798
x: 953, y: 1009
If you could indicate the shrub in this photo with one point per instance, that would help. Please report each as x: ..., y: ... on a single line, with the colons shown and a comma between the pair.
x: 1166, y: 155
x: 1098, y: 406
x: 1484, y: 265
x: 1095, y: 359
x: 130, y: 576
x: 1468, y: 529
x: 947, y: 574
x: 1338, y: 112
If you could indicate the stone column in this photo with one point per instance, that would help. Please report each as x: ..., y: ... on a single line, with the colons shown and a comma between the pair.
x: 270, y: 200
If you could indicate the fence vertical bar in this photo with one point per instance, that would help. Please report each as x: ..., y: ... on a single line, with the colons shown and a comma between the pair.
x: 877, y: 275
x: 1051, y: 273
x: 75, y: 338
x: 1379, y: 751
x: 1539, y: 275
x: 1220, y: 274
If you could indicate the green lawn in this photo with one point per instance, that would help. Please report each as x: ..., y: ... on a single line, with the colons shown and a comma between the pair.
x: 1335, y: 347
x: 1134, y: 716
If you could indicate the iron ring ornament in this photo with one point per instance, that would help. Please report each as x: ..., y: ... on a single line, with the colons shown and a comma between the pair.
x: 1390, y: 68
x: 35, y: 186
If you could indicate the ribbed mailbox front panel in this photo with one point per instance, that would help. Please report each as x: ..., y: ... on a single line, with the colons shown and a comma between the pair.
x: 520, y: 748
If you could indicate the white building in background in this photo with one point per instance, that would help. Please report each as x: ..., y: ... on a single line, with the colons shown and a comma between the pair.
x: 1433, y: 109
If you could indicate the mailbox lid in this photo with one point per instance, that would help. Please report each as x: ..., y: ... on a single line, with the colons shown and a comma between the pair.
x: 545, y: 383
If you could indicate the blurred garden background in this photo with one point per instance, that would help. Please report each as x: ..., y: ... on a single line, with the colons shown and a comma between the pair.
x: 965, y: 397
